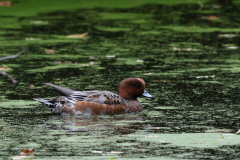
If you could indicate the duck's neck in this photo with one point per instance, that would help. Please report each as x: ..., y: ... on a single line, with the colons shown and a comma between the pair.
x: 127, y: 96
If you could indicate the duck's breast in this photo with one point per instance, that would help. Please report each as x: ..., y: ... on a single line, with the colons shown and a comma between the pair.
x: 133, y: 106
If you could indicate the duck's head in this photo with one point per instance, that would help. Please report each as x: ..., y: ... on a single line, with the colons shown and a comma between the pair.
x: 131, y: 88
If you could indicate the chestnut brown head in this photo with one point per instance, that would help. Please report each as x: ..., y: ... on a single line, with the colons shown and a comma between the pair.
x: 131, y: 88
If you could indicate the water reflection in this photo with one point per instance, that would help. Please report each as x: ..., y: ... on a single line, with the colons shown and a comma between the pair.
x: 110, y: 125
x: 188, y: 54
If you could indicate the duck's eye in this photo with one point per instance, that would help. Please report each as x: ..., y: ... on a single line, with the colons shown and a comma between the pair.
x: 137, y: 85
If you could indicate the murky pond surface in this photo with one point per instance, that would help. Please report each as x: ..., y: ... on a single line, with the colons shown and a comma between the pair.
x: 188, y: 55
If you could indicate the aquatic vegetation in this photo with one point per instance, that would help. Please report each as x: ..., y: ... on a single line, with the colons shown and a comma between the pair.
x: 188, y: 54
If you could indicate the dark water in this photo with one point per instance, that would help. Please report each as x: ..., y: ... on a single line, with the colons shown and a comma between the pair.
x: 189, y: 61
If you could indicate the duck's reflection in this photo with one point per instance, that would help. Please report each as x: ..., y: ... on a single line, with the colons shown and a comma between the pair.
x: 120, y: 124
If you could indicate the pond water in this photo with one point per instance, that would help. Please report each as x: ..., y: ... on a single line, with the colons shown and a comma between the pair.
x: 188, y: 55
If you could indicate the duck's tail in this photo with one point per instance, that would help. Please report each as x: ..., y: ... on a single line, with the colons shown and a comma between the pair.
x: 49, y: 103
x: 57, y: 105
x: 65, y: 91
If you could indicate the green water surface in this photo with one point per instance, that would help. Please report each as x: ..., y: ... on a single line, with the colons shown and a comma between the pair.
x: 186, y: 51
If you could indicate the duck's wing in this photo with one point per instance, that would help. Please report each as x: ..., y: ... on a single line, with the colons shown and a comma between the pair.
x: 81, y: 95
x: 105, y: 97
x: 76, y: 95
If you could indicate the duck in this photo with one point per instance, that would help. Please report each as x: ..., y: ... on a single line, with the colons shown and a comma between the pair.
x: 98, y: 102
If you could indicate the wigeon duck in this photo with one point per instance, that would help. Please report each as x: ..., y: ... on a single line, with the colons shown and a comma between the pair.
x: 98, y: 102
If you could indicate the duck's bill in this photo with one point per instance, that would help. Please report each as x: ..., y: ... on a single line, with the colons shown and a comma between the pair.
x: 146, y: 94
